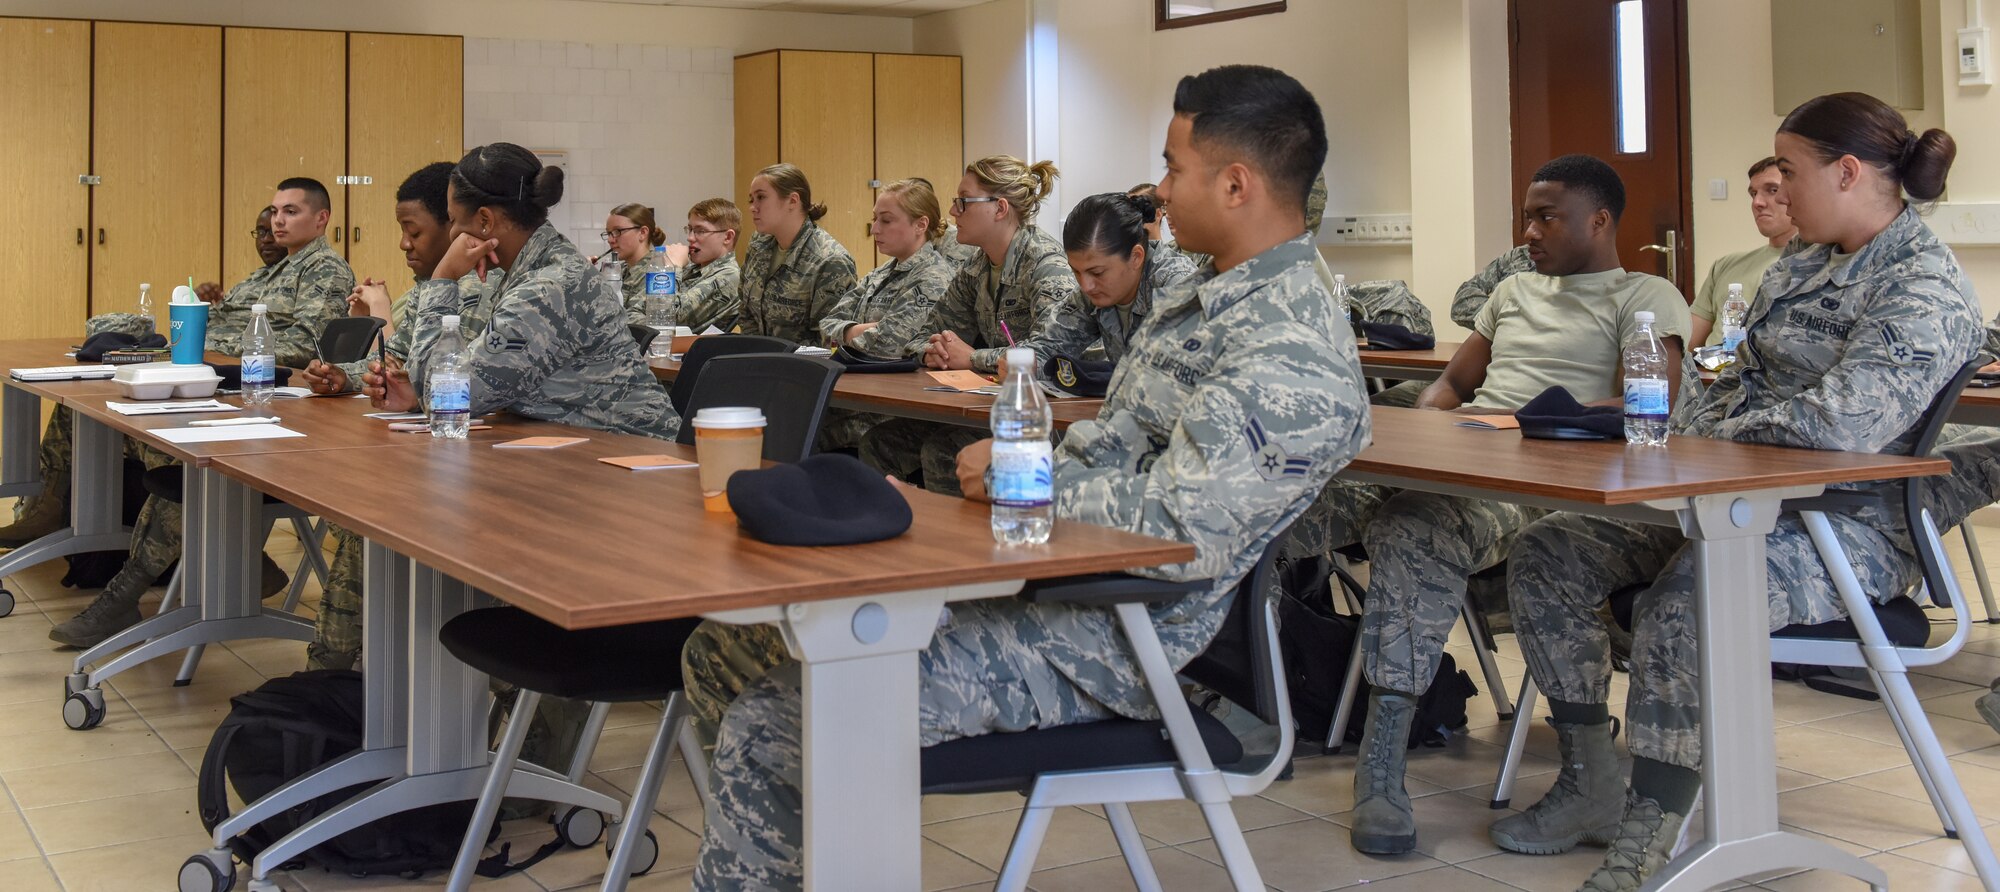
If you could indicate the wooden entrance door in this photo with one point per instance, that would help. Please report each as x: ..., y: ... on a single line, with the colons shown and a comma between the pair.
x: 1609, y: 78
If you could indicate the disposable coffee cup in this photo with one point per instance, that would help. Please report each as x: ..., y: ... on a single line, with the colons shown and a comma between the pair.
x: 187, y: 327
x: 727, y: 439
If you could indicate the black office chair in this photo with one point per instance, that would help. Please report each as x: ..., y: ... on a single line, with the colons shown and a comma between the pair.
x: 644, y: 334
x: 618, y: 664
x: 705, y: 349
x: 349, y: 338
x: 791, y: 389
x: 1187, y: 754
x: 1883, y: 638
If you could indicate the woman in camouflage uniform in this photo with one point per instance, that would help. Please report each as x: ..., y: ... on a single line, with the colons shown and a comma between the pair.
x: 794, y: 271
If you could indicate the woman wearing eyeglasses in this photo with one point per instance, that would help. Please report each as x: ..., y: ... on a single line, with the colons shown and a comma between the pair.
x: 710, y: 280
x: 794, y: 271
x: 631, y: 234
x: 1018, y: 277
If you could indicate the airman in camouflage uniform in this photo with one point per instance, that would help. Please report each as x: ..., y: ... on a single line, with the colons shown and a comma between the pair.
x: 1242, y: 390
x: 1023, y: 292
x: 300, y: 294
x: 785, y: 293
x: 1838, y: 355
x: 555, y: 346
x: 899, y: 297
x: 1472, y: 296
x: 1077, y: 324
x: 709, y: 294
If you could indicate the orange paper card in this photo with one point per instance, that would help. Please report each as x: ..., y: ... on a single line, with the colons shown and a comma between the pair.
x: 961, y: 379
x: 1490, y: 422
x: 648, y: 462
x: 541, y: 443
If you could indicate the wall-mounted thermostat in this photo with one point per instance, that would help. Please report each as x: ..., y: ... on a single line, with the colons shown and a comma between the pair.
x: 1975, y: 65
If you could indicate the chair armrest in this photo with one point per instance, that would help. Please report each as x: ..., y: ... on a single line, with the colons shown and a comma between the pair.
x: 1106, y: 589
x: 1832, y: 500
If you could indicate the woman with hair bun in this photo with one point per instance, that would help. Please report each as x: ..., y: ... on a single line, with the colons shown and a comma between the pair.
x: 555, y: 347
x: 1851, y: 335
x: 1117, y: 272
x: 630, y: 235
x: 795, y: 271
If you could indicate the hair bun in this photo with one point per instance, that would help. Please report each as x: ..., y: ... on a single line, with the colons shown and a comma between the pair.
x: 1148, y: 208
x: 815, y: 212
x: 548, y: 187
x: 1925, y: 162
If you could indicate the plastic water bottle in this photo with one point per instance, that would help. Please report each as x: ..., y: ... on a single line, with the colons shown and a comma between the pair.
x: 449, y: 385
x: 260, y: 364
x: 1023, y: 468
x: 662, y: 299
x: 1735, y: 311
x: 1646, y: 390
x: 1340, y: 297
x: 146, y: 302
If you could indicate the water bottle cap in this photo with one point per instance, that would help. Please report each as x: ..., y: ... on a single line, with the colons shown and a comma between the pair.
x: 1735, y: 289
x: 1339, y: 278
x: 258, y: 309
x: 659, y: 249
x: 1020, y: 358
x: 143, y: 287
x: 1643, y: 316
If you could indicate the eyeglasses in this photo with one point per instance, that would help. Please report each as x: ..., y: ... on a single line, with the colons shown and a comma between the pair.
x: 260, y: 233
x: 958, y: 204
x: 610, y: 234
x: 691, y: 232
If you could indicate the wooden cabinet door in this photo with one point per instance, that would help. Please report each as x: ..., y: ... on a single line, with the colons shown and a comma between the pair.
x: 826, y: 126
x: 284, y: 115
x: 45, y: 139
x: 919, y: 122
x: 405, y: 109
x: 156, y: 133
x: 756, y: 99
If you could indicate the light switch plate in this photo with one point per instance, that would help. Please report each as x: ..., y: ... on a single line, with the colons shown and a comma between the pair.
x: 1718, y: 190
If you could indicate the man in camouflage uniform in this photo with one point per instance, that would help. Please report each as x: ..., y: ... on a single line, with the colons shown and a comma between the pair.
x: 786, y: 292
x: 1838, y: 356
x: 710, y: 279
x: 894, y: 302
x: 300, y: 294
x: 1023, y: 292
x: 1472, y: 295
x: 1242, y: 390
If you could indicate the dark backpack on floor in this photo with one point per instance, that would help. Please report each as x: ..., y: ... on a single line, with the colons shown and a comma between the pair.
x: 286, y: 728
x: 1318, y: 643
x: 93, y: 569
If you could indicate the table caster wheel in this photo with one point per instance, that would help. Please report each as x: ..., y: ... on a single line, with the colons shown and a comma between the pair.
x: 580, y: 826
x: 84, y: 709
x: 264, y: 886
x: 204, y: 873
x: 6, y: 602
x: 75, y: 681
x: 643, y: 859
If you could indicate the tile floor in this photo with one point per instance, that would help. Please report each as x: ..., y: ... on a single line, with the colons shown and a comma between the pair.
x: 113, y: 808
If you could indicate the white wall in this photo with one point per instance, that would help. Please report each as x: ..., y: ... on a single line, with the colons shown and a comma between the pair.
x: 993, y: 40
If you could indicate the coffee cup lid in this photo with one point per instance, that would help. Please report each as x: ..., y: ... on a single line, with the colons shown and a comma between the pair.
x: 726, y: 417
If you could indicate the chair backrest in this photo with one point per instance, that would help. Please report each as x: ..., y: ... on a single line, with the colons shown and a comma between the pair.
x: 705, y: 349
x: 1242, y: 662
x: 791, y: 389
x: 1929, y: 554
x: 644, y: 334
x: 348, y: 338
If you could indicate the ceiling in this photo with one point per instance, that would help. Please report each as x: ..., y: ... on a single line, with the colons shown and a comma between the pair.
x: 902, y: 8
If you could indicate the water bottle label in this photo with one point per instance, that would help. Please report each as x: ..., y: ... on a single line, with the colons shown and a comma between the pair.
x: 259, y: 370
x: 451, y: 397
x: 662, y: 282
x: 1006, y: 430
x: 1023, y: 473
x: 1731, y: 339
x: 1646, y: 398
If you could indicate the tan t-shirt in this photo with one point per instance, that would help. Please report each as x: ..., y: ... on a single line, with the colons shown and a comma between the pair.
x: 1569, y: 331
x: 1745, y: 268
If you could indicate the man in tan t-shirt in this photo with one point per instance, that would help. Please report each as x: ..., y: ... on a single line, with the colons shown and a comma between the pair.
x: 1562, y: 324
x: 1744, y: 267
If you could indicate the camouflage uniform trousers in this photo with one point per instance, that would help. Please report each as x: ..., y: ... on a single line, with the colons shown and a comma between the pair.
x: 1565, y: 566
x: 55, y: 457
x: 1402, y: 393
x: 975, y: 678
x: 1336, y: 519
x: 1421, y: 548
x: 156, y: 536
x: 1974, y: 481
x: 845, y: 429
x: 903, y: 446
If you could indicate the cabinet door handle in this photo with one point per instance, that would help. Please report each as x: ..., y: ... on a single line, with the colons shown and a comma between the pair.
x: 336, y: 235
x: 100, y: 235
x: 79, y: 235
x: 357, y: 236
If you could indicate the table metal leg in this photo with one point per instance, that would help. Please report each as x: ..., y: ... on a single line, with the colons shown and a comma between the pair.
x: 1739, y: 753
x: 97, y: 495
x: 20, y: 443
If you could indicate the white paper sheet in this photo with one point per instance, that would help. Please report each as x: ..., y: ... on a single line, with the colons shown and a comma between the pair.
x: 170, y: 408
x: 185, y: 435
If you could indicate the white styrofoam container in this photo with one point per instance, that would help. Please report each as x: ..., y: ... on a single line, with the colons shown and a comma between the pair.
x: 165, y: 380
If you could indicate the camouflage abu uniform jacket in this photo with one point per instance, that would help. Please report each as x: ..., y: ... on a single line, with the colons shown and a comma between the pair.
x: 1847, y: 355
x: 1031, y: 280
x: 708, y: 294
x: 899, y: 298
x: 1391, y: 301
x: 1074, y: 324
x: 788, y: 299
x: 555, y: 347
x: 1240, y: 398
x: 1472, y: 296
x: 471, y: 320
x: 300, y: 293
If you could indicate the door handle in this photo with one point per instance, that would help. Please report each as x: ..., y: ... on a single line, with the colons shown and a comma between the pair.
x: 357, y: 236
x: 79, y: 235
x: 336, y: 235
x: 100, y: 235
x: 1672, y: 249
